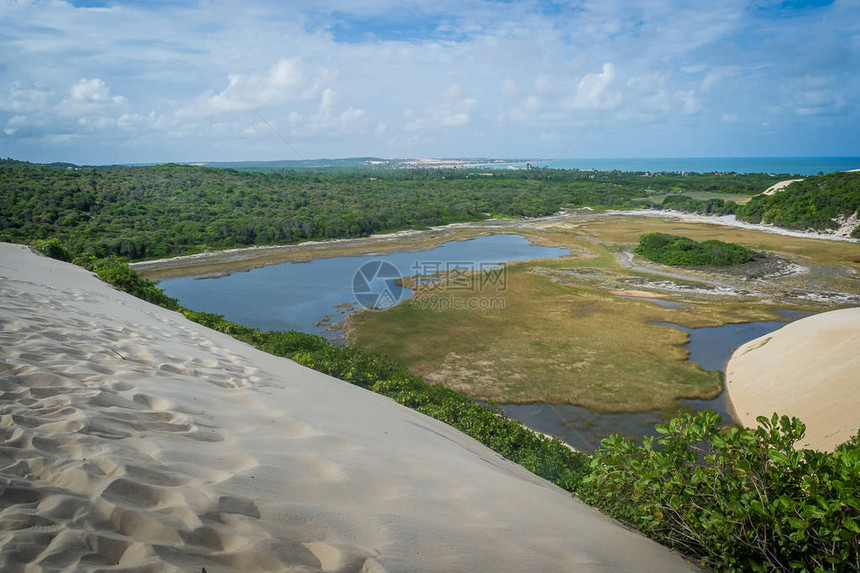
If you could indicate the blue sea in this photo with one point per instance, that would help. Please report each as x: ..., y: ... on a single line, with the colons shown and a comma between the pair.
x: 779, y: 165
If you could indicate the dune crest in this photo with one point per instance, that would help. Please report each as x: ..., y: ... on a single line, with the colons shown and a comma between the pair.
x: 135, y: 440
x: 807, y: 369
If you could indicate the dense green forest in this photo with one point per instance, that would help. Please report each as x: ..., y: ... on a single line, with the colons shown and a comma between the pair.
x: 164, y: 210
x: 682, y: 251
x: 715, y: 206
x: 813, y: 203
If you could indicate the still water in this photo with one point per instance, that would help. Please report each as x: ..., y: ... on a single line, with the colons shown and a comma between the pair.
x: 310, y: 296
x: 709, y: 347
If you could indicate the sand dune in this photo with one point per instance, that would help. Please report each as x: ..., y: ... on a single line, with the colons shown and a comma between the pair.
x: 134, y: 440
x: 808, y: 369
x: 776, y: 187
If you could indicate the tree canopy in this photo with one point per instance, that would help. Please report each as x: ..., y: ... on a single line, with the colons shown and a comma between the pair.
x: 164, y: 210
x: 813, y: 203
x: 682, y: 251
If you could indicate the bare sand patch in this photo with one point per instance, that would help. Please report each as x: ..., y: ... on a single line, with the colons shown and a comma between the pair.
x: 779, y: 186
x: 808, y: 369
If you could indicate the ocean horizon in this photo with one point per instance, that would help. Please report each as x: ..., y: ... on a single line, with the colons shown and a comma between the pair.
x: 777, y: 165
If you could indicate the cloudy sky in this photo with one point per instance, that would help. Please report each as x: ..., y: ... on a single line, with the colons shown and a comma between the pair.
x: 163, y: 80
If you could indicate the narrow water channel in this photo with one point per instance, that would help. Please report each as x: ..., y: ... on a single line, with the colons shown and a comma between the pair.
x: 710, y: 348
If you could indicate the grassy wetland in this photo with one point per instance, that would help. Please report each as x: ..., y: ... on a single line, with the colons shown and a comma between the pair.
x: 564, y: 336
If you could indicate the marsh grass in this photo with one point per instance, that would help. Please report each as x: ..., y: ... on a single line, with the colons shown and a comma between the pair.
x: 572, y: 341
x: 551, y: 343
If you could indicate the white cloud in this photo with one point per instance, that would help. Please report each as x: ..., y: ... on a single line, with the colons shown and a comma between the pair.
x: 451, y: 92
x: 451, y: 114
x: 180, y: 81
x: 689, y: 102
x: 285, y: 82
x: 327, y: 117
x: 455, y: 119
x: 87, y: 107
x: 351, y: 115
x: 814, y: 95
x: 88, y: 98
x: 14, y: 124
x: 594, y: 91
x: 24, y: 99
x: 819, y: 102
x: 531, y: 103
x: 326, y: 104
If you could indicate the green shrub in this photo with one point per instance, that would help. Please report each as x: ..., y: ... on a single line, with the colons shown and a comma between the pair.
x: 682, y: 251
x: 115, y: 271
x: 853, y: 443
x: 812, y: 203
x: 53, y: 248
x: 738, y: 499
x: 715, y: 206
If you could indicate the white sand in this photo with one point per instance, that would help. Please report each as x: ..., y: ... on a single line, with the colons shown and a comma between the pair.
x: 133, y: 439
x: 779, y: 186
x: 810, y: 369
x: 732, y: 221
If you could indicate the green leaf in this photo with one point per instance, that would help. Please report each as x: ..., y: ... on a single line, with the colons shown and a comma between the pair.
x: 850, y: 525
x: 797, y: 523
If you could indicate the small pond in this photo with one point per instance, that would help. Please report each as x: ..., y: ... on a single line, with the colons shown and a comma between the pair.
x: 314, y: 296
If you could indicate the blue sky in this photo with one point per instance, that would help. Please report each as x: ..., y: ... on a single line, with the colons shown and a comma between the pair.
x: 99, y: 81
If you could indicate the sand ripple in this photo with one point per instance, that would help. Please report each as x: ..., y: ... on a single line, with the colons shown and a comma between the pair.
x: 98, y: 474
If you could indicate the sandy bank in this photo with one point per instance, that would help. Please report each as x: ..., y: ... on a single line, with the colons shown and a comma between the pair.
x: 808, y: 369
x: 779, y: 186
x: 246, y: 258
x: 732, y: 221
x: 133, y: 439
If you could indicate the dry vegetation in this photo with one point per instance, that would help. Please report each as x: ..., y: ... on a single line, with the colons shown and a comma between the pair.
x: 563, y: 337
